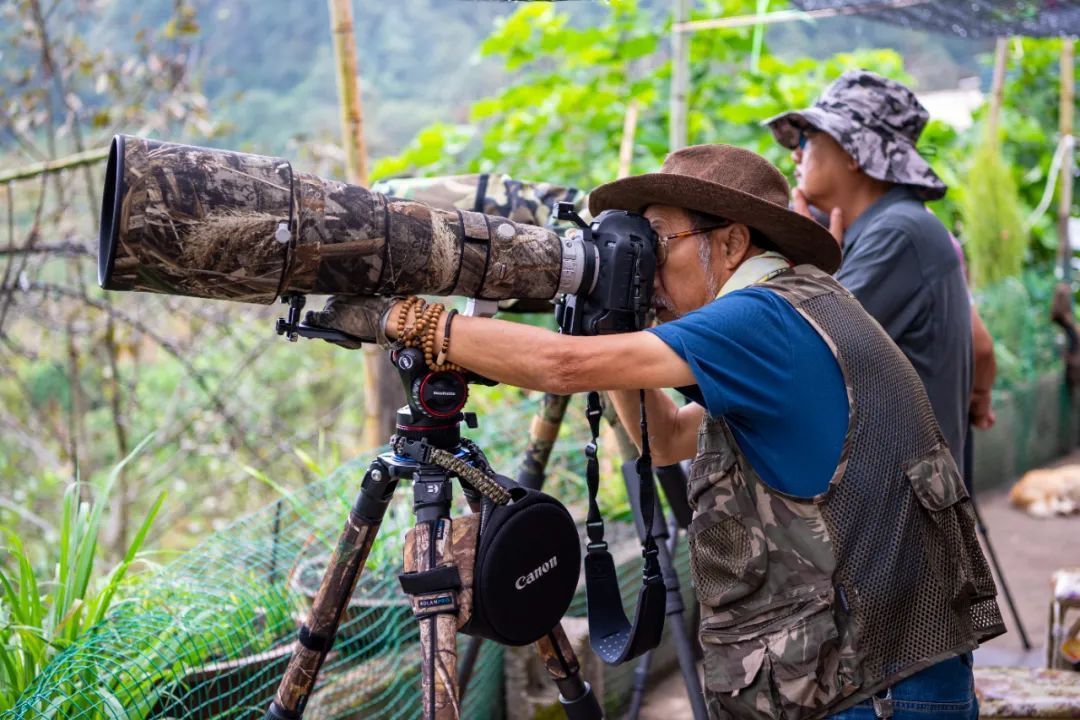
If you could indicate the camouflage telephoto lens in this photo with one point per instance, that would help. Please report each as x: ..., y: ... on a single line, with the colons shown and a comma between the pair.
x: 185, y: 220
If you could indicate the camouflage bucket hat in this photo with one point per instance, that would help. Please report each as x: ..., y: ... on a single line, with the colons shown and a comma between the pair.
x: 877, y: 121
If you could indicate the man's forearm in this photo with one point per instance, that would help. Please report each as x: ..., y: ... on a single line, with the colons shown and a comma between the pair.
x: 539, y: 359
x: 667, y: 439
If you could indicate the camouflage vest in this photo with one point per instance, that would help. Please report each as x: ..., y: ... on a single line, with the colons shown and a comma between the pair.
x: 812, y: 605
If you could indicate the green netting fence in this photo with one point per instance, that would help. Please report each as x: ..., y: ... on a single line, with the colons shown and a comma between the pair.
x: 1035, y: 420
x: 208, y: 636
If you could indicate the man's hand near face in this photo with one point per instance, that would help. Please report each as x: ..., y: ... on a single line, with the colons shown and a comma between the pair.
x: 836, y: 218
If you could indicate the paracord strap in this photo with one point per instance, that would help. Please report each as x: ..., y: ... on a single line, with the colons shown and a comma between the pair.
x: 487, y: 486
x: 611, y: 634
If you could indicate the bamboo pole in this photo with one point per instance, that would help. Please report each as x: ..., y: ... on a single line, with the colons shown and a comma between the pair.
x: 1065, y: 187
x: 786, y: 16
x: 680, y: 77
x: 382, y: 395
x: 348, y: 82
x: 759, y: 36
x: 997, y: 86
x: 88, y: 157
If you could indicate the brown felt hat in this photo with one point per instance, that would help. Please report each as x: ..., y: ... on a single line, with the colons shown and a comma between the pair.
x: 734, y: 184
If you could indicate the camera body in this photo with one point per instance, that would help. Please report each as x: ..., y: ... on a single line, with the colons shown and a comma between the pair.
x: 617, y: 258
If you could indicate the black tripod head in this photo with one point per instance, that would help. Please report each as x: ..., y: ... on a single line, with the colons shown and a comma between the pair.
x: 435, y: 401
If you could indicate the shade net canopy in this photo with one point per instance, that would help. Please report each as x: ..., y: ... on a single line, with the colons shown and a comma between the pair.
x: 966, y: 18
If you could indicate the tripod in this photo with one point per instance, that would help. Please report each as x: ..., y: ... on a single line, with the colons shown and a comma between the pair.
x: 429, y: 451
x: 969, y: 483
x: 542, y: 434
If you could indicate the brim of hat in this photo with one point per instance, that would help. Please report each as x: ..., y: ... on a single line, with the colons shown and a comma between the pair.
x: 785, y: 127
x: 911, y: 169
x: 799, y: 238
x: 914, y: 172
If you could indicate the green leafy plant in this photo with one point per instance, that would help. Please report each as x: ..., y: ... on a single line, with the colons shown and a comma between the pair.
x: 990, y: 210
x: 41, y: 615
x: 562, y: 119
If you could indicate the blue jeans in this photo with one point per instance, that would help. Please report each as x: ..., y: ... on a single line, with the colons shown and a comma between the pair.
x: 945, y: 691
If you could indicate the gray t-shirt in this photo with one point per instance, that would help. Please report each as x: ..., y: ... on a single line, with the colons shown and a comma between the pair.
x: 900, y: 263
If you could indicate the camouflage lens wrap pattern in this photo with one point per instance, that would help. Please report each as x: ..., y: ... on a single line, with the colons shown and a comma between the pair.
x: 193, y: 221
x: 878, y: 122
x: 184, y: 220
x: 489, y: 193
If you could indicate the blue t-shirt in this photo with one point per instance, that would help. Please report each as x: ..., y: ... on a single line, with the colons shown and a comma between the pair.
x: 761, y: 366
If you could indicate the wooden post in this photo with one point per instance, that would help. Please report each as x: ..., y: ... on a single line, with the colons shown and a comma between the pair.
x: 997, y: 87
x: 1063, y: 313
x: 382, y: 395
x: 1065, y: 185
x: 680, y: 77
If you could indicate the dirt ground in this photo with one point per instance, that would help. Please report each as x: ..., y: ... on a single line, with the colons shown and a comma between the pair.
x: 1028, y: 550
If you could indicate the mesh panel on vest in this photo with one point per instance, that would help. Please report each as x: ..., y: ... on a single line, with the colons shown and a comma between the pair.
x: 719, y: 557
x: 903, y: 569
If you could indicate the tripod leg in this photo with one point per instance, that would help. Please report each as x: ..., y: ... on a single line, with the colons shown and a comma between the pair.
x: 684, y: 648
x: 641, y: 681
x: 432, y: 580
x: 542, y: 433
x: 438, y: 576
x: 318, y: 631
x: 468, y: 663
x: 562, y: 665
x: 1000, y: 576
x: 969, y: 473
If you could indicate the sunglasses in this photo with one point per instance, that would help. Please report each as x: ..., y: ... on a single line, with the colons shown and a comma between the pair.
x: 662, y: 246
x: 804, y: 136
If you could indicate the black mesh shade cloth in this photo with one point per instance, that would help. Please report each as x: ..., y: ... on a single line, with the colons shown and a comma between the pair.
x: 966, y: 18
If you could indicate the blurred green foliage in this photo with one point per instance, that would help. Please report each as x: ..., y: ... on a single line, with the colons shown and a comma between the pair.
x: 561, y: 119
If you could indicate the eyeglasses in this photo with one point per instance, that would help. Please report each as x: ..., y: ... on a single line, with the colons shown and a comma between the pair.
x: 662, y: 246
x: 804, y: 137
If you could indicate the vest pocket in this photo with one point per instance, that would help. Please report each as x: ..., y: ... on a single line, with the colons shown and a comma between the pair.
x: 788, y: 668
x: 936, y: 480
x: 728, y: 557
x: 951, y: 546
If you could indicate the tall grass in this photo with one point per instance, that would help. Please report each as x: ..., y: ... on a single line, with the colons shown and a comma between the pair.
x: 993, y: 228
x: 44, y: 611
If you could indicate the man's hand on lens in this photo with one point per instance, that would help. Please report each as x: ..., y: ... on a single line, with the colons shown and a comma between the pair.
x: 801, y: 205
x: 358, y: 315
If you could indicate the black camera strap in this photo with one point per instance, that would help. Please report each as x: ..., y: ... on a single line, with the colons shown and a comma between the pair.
x: 611, y: 634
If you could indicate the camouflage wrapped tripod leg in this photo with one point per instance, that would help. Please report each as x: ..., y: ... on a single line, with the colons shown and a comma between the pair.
x: 562, y: 665
x: 433, y: 546
x: 317, y: 633
x: 542, y: 434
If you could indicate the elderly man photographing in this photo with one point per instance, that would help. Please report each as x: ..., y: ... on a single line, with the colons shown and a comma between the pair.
x: 832, y: 546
